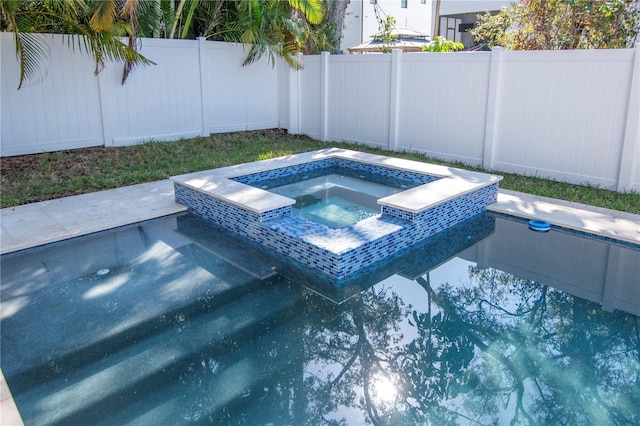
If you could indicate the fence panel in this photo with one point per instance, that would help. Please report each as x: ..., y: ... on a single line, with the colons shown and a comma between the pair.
x: 61, y: 112
x: 443, y: 101
x: 157, y: 102
x: 236, y: 97
x: 358, y: 99
x: 563, y: 114
x: 196, y: 87
x: 567, y: 115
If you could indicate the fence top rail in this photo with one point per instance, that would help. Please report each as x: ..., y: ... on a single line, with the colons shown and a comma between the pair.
x: 585, y: 55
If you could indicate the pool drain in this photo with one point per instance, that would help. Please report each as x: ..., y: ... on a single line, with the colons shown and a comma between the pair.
x: 103, y: 271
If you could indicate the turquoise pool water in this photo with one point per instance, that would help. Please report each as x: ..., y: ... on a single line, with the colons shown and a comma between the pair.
x: 336, y: 196
x: 174, y: 322
x: 336, y: 200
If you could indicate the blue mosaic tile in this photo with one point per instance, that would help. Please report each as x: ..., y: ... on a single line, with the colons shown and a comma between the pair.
x: 338, y: 253
x: 252, y: 179
x: 284, y: 175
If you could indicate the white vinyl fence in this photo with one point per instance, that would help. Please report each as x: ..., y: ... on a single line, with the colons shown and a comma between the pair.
x: 196, y: 88
x: 568, y: 115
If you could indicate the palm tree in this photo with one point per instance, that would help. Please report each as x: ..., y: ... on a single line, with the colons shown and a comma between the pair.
x: 273, y: 27
x: 93, y: 26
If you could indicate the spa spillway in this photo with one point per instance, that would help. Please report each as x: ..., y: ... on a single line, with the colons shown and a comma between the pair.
x: 336, y: 211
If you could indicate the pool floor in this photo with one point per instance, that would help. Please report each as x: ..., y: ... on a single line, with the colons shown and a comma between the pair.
x: 493, y: 326
x: 334, y: 200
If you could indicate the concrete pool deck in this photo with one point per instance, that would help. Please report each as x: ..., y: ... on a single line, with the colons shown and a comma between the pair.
x: 32, y: 225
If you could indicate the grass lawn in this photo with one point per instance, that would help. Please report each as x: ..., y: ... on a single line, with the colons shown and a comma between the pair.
x: 39, y: 177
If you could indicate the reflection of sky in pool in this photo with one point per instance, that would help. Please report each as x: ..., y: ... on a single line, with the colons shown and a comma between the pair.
x: 192, y: 326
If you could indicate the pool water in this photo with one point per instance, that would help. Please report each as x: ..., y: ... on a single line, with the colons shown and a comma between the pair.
x: 488, y: 323
x: 335, y: 200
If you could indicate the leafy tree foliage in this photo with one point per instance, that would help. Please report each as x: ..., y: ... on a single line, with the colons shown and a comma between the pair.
x: 385, y: 36
x: 561, y: 24
x: 440, y: 44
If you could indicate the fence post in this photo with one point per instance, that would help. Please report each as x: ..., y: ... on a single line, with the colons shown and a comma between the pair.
x: 493, y: 98
x: 324, y: 93
x: 394, y: 98
x: 201, y: 63
x: 631, y: 141
x: 105, y: 122
x: 294, y: 100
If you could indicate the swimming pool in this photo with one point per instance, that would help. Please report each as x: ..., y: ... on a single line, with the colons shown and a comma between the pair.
x: 175, y: 322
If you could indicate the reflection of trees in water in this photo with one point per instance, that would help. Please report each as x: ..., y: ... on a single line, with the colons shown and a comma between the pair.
x: 497, y: 349
x: 354, y: 347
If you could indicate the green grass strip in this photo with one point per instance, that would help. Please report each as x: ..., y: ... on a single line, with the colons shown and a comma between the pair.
x: 39, y: 177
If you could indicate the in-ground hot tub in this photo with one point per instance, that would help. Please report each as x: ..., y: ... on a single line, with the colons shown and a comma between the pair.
x: 416, y: 200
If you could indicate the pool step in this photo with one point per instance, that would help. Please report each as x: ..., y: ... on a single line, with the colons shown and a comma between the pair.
x: 227, y: 247
x: 155, y: 315
x: 118, y: 379
x: 241, y: 377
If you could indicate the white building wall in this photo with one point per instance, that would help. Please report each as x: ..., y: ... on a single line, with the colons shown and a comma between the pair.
x: 456, y: 7
x: 452, y: 13
x: 361, y: 22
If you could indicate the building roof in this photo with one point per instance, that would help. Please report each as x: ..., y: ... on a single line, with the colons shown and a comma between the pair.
x: 406, y: 39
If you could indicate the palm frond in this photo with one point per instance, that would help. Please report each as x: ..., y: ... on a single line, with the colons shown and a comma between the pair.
x: 115, y: 50
x: 168, y: 13
x: 104, y: 16
x: 149, y: 17
x: 130, y: 7
x: 313, y: 9
x: 32, y: 53
x: 176, y: 19
x: 32, y: 50
x: 188, y: 20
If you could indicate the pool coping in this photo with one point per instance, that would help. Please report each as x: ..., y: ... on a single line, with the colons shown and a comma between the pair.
x: 36, y: 224
x: 578, y: 217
